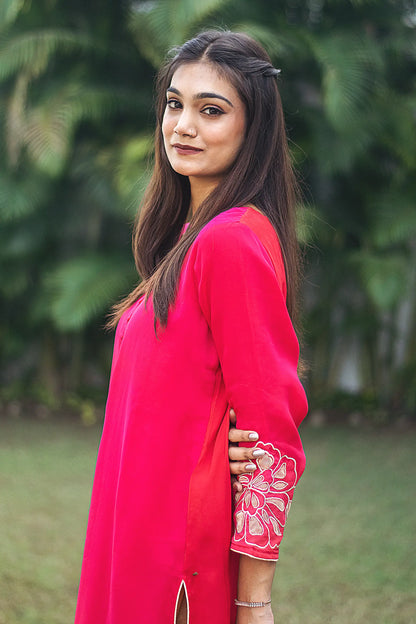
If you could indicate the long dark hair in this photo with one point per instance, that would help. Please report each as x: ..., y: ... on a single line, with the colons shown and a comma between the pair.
x: 261, y: 174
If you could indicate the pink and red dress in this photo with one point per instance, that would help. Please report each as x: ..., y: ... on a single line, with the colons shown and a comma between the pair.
x: 162, y: 517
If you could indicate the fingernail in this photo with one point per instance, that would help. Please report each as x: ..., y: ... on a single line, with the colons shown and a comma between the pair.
x: 251, y: 466
x: 258, y: 453
x: 253, y: 436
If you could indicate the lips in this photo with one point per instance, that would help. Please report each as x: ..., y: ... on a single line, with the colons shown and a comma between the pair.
x: 186, y: 150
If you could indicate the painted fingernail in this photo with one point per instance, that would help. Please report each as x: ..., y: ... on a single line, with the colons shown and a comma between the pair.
x: 251, y: 467
x: 258, y: 453
x: 253, y: 436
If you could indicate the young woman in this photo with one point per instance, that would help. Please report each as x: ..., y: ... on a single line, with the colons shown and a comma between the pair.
x: 207, y: 331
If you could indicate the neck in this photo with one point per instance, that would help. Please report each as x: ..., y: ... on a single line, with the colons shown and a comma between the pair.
x: 200, y: 189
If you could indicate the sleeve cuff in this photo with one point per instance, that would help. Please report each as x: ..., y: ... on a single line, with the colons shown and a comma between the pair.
x: 262, y: 556
x: 262, y: 507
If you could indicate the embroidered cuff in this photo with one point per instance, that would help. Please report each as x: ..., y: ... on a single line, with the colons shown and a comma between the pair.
x: 263, y: 505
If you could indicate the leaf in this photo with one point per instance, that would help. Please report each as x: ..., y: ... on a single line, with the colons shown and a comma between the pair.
x: 384, y: 277
x: 159, y: 26
x: 338, y: 150
x: 33, y: 49
x: 20, y: 196
x: 18, y: 243
x: 278, y: 45
x: 9, y: 10
x: 84, y: 287
x: 394, y: 217
x: 131, y: 174
x: 348, y: 64
x: 49, y: 128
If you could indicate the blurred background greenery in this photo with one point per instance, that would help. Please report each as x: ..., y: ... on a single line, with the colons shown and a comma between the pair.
x: 76, y: 123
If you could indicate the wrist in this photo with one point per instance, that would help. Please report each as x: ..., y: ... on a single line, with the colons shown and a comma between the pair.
x: 253, y: 604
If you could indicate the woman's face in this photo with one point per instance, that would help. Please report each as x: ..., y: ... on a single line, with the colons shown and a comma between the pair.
x: 203, y: 124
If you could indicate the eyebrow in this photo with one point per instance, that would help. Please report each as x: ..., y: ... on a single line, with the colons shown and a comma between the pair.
x: 204, y: 95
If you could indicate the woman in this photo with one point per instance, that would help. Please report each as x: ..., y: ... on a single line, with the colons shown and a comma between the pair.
x: 207, y: 331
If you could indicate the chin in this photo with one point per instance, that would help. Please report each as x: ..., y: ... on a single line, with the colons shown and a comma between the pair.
x: 183, y: 170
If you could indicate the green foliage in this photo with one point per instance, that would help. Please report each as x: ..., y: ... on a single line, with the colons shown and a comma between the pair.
x: 159, y: 26
x: 22, y: 194
x: 384, y: 277
x: 9, y: 9
x: 79, y: 289
x: 76, y: 141
x: 32, y: 51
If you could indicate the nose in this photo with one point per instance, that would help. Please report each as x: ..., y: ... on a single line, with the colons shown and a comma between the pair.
x: 186, y: 125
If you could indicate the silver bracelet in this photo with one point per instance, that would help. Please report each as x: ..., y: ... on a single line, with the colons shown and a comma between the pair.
x: 240, y: 603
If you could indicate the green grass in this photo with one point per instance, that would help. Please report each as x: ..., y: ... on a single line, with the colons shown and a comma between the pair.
x: 349, y: 553
x: 46, y: 471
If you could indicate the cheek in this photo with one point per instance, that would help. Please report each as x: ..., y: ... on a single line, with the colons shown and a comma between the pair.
x: 237, y: 139
x: 166, y: 127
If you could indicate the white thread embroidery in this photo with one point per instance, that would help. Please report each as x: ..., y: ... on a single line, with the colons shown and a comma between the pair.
x: 263, y: 505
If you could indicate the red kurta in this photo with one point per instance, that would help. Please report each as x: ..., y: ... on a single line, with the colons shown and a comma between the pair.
x: 161, y: 508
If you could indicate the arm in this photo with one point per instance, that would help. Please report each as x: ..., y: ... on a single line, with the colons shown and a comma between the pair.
x: 242, y: 297
x: 255, y: 581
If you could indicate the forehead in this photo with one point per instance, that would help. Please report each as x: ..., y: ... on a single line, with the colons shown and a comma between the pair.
x: 202, y: 76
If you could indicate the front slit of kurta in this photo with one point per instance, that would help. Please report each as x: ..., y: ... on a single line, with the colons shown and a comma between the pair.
x: 182, y: 593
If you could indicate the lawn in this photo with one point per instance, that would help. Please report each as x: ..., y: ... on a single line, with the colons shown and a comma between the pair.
x: 349, y: 555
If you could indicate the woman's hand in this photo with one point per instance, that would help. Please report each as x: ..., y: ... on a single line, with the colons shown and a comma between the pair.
x: 241, y: 458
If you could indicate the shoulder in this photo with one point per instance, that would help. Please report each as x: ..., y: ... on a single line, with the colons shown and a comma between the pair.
x: 240, y: 221
x: 244, y: 232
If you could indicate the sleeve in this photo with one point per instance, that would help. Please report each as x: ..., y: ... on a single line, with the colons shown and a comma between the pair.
x: 242, y: 299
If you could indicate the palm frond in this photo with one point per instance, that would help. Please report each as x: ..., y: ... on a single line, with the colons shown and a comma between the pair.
x: 19, y: 241
x: 394, y: 217
x: 189, y: 14
x: 348, y: 65
x: 84, y: 287
x: 23, y: 194
x: 48, y: 129
x: 159, y: 26
x: 336, y: 152
x: 399, y: 113
x: 385, y: 278
x: 278, y: 45
x: 132, y: 172
x: 15, y: 118
x: 33, y: 50
x: 9, y: 10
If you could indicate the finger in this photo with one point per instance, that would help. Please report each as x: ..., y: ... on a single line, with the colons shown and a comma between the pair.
x: 233, y: 417
x: 237, y: 487
x: 238, y: 468
x: 240, y: 435
x: 242, y: 453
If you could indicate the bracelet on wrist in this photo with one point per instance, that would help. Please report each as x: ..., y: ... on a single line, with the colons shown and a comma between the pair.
x: 241, y: 603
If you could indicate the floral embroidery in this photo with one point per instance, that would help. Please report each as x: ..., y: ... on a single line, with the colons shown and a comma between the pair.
x: 263, y: 505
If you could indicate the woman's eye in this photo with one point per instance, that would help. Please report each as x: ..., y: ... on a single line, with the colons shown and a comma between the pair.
x: 173, y: 104
x: 211, y: 111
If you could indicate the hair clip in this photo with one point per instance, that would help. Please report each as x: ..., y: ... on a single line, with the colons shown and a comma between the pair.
x: 272, y: 72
